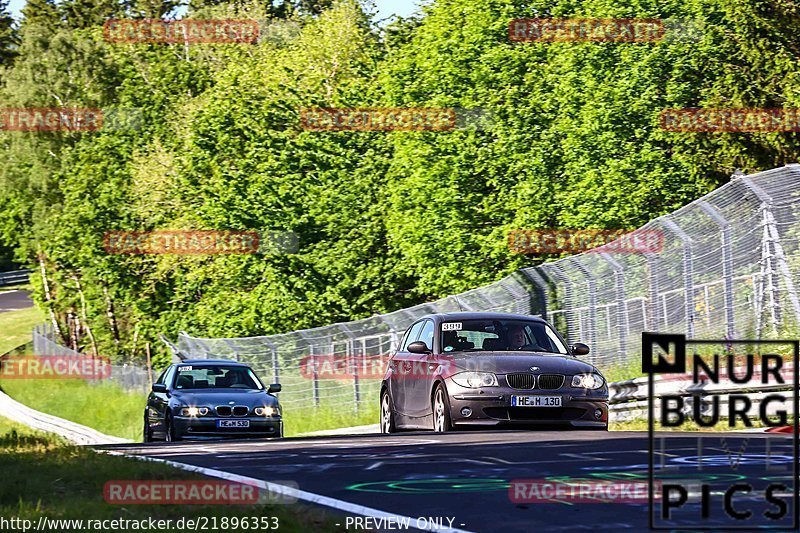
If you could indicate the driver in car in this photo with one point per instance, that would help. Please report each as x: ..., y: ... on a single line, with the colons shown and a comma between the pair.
x: 517, y: 340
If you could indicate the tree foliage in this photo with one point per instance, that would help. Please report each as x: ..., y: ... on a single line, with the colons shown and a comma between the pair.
x: 384, y: 220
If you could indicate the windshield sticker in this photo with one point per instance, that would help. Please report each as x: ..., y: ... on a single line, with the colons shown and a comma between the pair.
x: 184, y: 369
x: 451, y: 326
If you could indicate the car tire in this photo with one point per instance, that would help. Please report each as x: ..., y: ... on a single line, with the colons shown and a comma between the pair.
x: 170, y: 434
x: 147, y: 434
x: 441, y: 410
x: 387, y: 424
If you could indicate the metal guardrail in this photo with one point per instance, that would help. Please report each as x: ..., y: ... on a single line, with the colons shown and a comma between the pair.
x: 628, y: 400
x: 14, y: 278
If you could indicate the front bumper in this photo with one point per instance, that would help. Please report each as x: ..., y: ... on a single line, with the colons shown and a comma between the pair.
x: 206, y: 427
x: 491, y: 406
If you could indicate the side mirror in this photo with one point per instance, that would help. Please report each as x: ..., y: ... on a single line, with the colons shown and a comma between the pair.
x: 579, y: 349
x: 419, y: 347
x: 159, y: 387
x: 274, y: 387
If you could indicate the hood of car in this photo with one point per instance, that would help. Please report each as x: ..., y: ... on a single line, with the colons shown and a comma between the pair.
x: 508, y: 362
x: 214, y: 397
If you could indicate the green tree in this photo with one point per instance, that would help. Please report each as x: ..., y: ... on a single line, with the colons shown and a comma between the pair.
x: 9, y: 40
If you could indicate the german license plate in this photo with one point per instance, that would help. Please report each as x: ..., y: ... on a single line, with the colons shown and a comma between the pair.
x: 233, y: 423
x: 535, y: 401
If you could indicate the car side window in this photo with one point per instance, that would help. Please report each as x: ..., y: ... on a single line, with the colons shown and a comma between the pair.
x: 161, y: 377
x: 412, y: 336
x: 168, y: 377
x: 426, y: 335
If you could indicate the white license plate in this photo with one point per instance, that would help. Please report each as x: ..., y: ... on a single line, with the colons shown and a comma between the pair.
x: 233, y: 423
x: 535, y: 401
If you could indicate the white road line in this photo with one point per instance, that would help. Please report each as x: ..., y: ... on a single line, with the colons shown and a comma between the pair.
x: 289, y: 492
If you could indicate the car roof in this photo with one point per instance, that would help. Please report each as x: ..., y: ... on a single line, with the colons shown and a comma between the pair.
x: 227, y: 362
x: 479, y: 315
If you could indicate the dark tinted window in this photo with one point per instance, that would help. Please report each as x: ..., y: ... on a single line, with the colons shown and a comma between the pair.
x: 215, y: 377
x: 500, y: 335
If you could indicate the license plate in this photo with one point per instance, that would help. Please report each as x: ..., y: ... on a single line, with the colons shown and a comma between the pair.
x: 536, y: 401
x: 233, y: 423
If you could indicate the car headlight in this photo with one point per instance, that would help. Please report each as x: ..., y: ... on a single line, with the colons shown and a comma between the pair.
x: 267, y: 411
x: 588, y: 381
x: 194, y: 411
x: 473, y: 380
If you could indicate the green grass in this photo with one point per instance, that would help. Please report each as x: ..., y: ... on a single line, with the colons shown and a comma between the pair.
x: 16, y: 327
x: 104, y: 407
x: 320, y: 418
x: 622, y: 371
x: 45, y: 476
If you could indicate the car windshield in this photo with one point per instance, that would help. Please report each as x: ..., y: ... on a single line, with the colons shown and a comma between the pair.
x: 492, y: 335
x: 216, y: 377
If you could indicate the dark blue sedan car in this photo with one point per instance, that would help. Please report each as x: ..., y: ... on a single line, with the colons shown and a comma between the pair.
x: 211, y: 399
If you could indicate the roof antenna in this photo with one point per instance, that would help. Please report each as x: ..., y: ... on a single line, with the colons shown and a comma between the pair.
x: 459, y: 303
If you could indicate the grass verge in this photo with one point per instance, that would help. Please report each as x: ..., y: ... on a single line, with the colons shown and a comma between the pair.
x: 16, y: 327
x: 321, y: 418
x: 103, y: 406
x: 45, y: 476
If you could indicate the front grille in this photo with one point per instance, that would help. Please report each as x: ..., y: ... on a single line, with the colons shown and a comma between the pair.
x: 551, y: 381
x: 521, y: 381
x: 223, y: 410
x: 240, y: 410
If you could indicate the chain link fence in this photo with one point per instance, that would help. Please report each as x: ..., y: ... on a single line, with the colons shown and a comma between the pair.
x: 129, y: 377
x: 727, y: 269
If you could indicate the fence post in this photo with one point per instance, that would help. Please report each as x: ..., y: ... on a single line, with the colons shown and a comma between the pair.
x: 315, y: 374
x: 356, y: 384
x: 535, y: 276
x: 276, y: 371
x: 727, y: 264
x: 622, y: 308
x: 352, y: 360
x: 772, y: 235
x: 591, y: 282
x: 566, y: 306
x: 688, y: 276
x: 653, y: 262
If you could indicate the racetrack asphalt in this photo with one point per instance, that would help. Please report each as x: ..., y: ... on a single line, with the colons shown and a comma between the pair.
x: 14, y: 300
x: 466, y: 475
